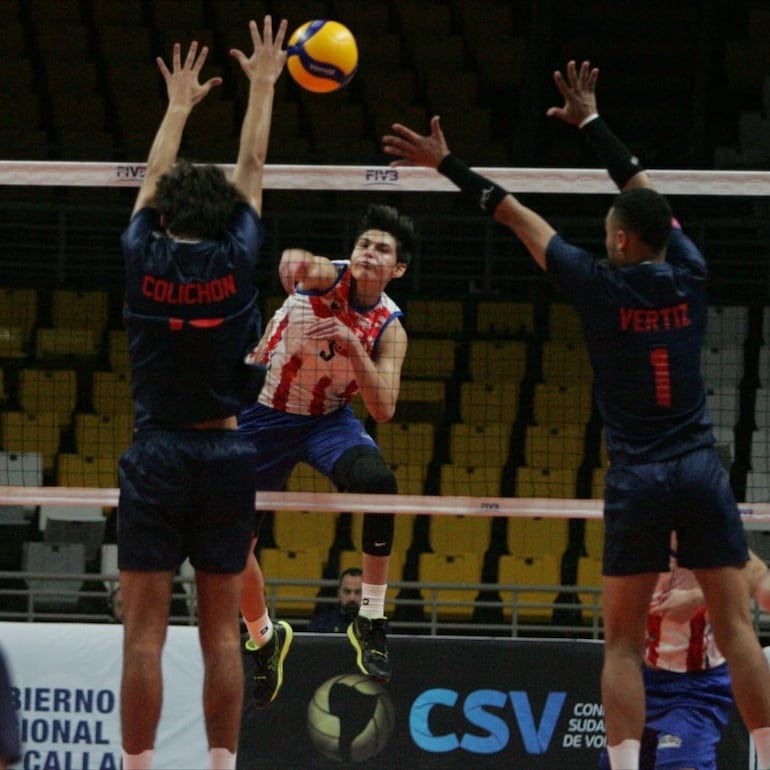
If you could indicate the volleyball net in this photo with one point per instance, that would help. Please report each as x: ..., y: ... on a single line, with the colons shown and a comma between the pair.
x: 495, y: 419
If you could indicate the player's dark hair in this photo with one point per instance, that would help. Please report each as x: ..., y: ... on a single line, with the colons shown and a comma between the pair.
x: 196, y: 201
x: 388, y: 219
x: 645, y: 212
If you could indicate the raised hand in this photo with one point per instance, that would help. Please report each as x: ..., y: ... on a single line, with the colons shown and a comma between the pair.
x: 182, y: 83
x: 414, y: 149
x: 579, y: 92
x: 268, y: 57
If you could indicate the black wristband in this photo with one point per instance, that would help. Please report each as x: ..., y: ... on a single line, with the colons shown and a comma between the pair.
x: 621, y: 164
x: 481, y: 191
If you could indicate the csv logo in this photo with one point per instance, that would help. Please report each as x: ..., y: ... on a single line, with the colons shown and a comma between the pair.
x: 383, y: 175
x: 130, y: 173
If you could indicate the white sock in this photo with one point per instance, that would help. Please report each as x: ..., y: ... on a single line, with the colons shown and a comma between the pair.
x: 141, y: 761
x: 761, y: 738
x: 260, y: 631
x: 221, y: 759
x: 625, y: 756
x: 372, y: 601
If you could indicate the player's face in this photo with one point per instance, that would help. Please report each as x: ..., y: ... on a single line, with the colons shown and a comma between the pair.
x: 613, y: 241
x: 374, y: 258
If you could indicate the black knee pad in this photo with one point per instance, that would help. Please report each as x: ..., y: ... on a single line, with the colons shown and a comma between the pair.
x: 363, y: 469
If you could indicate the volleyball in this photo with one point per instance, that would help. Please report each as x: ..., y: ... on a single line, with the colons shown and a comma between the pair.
x: 322, y: 55
x: 350, y: 718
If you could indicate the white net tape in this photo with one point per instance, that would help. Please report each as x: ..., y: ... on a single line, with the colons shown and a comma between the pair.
x: 384, y: 178
x: 334, y: 502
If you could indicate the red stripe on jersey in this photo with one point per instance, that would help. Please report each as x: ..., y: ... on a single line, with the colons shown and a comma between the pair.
x: 288, y: 373
x: 275, y: 338
x: 696, y: 650
x: 317, y: 403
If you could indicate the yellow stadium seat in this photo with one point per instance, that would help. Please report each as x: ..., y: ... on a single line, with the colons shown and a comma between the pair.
x: 406, y: 443
x: 554, y: 446
x: 528, y: 571
x: 597, y: 482
x: 117, y: 350
x: 454, y: 601
x: 594, y: 538
x: 434, y: 316
x: 49, y: 390
x: 564, y: 324
x: 562, y: 404
x: 410, y: 477
x: 75, y: 470
x: 29, y: 432
x: 566, y: 363
x: 18, y: 308
x: 497, y: 360
x: 546, y: 482
x: 453, y: 534
x: 301, y: 564
x: 66, y: 343
x: 589, y: 575
x: 487, y: 402
x: 505, y: 319
x: 304, y: 529
x: 480, y: 444
x: 429, y: 359
x: 111, y: 392
x: 13, y: 342
x: 80, y: 309
x: 420, y: 401
x: 469, y: 481
x: 536, y: 536
x: 103, y: 435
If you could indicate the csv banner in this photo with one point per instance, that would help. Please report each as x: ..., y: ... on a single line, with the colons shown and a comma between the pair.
x: 66, y: 688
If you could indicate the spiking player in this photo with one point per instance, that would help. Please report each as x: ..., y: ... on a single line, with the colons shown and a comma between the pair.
x: 665, y: 474
x: 336, y: 335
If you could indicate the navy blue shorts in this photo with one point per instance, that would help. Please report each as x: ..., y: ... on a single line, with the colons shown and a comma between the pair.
x: 186, y: 493
x: 689, y: 494
x: 282, y: 440
x: 684, y: 719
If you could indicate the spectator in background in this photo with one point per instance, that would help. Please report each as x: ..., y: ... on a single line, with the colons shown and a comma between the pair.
x: 10, y: 737
x: 187, y: 483
x: 337, y: 618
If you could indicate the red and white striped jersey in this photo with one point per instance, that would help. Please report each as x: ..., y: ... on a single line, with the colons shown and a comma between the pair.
x: 675, y: 646
x: 311, y: 376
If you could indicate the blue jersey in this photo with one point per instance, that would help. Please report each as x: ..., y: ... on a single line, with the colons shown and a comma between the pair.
x: 644, y: 327
x: 191, y: 315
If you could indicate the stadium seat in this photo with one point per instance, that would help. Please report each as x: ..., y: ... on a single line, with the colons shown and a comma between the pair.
x: 502, y: 361
x: 593, y: 538
x: 49, y: 390
x: 75, y: 470
x: 566, y: 363
x: 536, y: 536
x: 304, y: 529
x: 103, y: 435
x: 56, y: 593
x: 564, y: 324
x: 554, y: 446
x: 117, y: 351
x: 429, y: 359
x: 455, y: 534
x: 111, y: 393
x: 722, y: 366
x: 13, y: 342
x: 421, y: 401
x: 410, y: 477
x: 723, y: 405
x: 406, y: 443
x: 589, y: 576
x: 758, y: 487
x: 760, y: 450
x: 18, y: 309
x: 21, y: 469
x: 80, y: 309
x: 546, y: 482
x: 30, y: 432
x: 480, y: 444
x: 74, y: 524
x: 470, y: 481
x: 454, y: 600
x: 301, y: 564
x: 305, y: 478
x: 487, y: 402
x: 727, y: 325
x: 530, y: 572
x: 563, y: 405
x: 65, y: 344
x: 505, y: 319
x: 434, y: 316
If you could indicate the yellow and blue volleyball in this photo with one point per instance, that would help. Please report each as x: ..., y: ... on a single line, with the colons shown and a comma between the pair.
x: 322, y: 55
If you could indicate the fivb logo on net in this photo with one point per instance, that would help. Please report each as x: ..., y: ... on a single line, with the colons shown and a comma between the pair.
x: 382, y: 176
